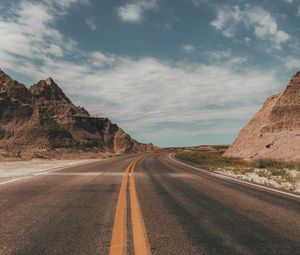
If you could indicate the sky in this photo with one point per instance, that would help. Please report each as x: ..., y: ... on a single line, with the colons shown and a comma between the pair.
x: 170, y: 72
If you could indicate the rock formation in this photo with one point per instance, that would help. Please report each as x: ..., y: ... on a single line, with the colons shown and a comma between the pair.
x: 43, y: 122
x: 274, y: 132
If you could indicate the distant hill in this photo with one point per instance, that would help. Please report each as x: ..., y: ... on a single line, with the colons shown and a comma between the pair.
x: 43, y: 122
x: 274, y: 132
x: 197, y: 148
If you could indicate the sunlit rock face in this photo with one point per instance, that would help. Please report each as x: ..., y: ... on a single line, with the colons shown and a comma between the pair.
x: 43, y: 118
x: 273, y: 132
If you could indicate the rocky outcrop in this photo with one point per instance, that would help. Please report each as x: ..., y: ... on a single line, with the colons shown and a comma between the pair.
x: 48, y: 90
x: 43, y: 120
x: 274, y: 132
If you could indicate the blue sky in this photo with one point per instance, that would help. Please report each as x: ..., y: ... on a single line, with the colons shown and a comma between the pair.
x: 171, y: 72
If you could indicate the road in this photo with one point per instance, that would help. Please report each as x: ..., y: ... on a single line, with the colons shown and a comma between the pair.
x: 147, y: 204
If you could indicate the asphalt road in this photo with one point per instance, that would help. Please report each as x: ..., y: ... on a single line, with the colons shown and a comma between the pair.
x: 180, y: 210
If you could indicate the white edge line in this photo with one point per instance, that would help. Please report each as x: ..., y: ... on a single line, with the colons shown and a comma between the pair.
x: 51, y: 170
x: 235, y: 179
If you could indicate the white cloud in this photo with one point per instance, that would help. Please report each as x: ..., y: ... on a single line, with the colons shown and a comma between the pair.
x: 247, y: 39
x: 146, y: 92
x: 99, y: 59
x: 298, y: 11
x: 134, y: 12
x: 55, y: 50
x: 188, y: 48
x: 156, y: 92
x: 130, y: 13
x: 29, y: 32
x: 292, y: 63
x: 218, y: 55
x: 255, y: 19
x: 265, y: 26
x: 226, y: 57
x: 227, y: 20
x: 198, y: 3
x: 91, y: 22
x: 137, y: 93
x: 237, y: 61
x: 65, y: 4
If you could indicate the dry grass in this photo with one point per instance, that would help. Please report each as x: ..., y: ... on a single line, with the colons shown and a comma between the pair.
x: 213, y: 160
x: 275, y: 164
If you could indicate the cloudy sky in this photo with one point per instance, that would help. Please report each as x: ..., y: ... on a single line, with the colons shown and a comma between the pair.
x: 171, y: 72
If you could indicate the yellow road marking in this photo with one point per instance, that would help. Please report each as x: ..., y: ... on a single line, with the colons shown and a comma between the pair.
x: 140, y: 239
x: 118, y: 244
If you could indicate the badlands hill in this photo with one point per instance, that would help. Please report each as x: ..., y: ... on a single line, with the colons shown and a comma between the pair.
x: 43, y: 122
x: 274, y: 132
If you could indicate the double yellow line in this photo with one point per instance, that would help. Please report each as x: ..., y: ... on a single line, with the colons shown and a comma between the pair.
x: 118, y: 244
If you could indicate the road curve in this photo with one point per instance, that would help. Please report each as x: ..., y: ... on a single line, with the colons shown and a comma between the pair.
x: 184, y: 211
x: 190, y: 212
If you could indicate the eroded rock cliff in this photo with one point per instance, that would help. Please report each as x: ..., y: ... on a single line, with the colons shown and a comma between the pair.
x: 274, y: 132
x: 43, y: 122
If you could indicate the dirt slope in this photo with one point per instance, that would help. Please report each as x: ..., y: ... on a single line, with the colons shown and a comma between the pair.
x: 274, y: 132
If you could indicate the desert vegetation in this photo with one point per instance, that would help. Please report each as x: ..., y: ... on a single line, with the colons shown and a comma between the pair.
x: 281, y: 174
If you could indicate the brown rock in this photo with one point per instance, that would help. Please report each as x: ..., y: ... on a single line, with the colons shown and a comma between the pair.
x: 43, y: 120
x: 274, y: 132
x: 48, y: 90
x: 13, y: 89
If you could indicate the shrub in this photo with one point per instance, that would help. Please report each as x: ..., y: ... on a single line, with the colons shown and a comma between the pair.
x: 274, y: 164
x: 211, y: 159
